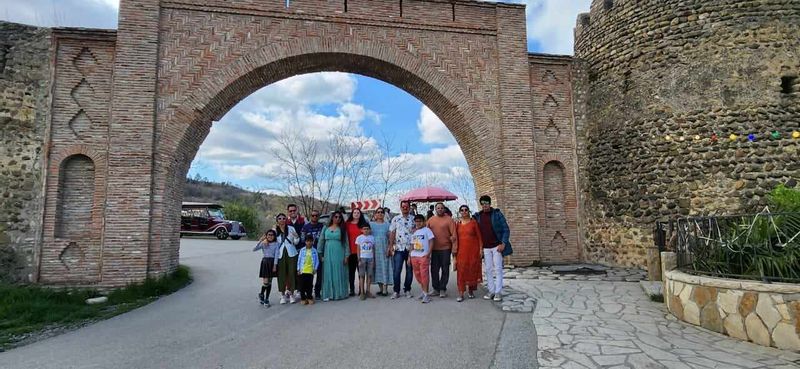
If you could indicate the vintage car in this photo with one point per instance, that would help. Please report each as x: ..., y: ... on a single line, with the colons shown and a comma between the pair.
x: 208, y: 219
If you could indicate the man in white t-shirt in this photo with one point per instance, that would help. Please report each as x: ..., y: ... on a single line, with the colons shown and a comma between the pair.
x: 421, y: 245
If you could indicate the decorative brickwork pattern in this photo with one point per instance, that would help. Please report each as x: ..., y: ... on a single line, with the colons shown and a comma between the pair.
x: 553, y: 132
x: 71, y: 251
x: 681, y: 69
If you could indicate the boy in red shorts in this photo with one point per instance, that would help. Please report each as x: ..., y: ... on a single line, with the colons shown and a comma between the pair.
x: 421, y: 246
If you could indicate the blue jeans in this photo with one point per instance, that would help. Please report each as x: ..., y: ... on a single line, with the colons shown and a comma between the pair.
x: 399, y: 259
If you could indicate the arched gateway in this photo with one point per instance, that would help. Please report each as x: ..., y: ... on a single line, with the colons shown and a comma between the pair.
x: 130, y: 109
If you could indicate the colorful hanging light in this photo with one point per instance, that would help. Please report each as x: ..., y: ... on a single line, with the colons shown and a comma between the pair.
x: 733, y: 137
x: 697, y: 137
x: 751, y: 137
x: 795, y: 135
x: 775, y: 135
x: 714, y: 137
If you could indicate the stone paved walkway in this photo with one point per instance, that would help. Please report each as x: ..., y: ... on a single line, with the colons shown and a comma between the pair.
x: 601, y: 324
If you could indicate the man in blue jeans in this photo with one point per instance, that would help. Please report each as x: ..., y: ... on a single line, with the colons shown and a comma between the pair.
x: 401, y: 230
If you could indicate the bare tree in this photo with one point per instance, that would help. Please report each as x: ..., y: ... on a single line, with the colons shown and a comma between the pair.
x: 464, y: 186
x: 394, y: 170
x: 298, y: 158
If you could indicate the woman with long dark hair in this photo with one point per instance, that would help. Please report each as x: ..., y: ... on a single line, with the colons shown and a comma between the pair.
x: 333, y: 248
x: 286, y: 258
x: 353, y: 229
x: 468, y: 257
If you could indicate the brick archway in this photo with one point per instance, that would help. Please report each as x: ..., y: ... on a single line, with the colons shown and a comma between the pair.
x: 176, y: 66
x: 217, y: 96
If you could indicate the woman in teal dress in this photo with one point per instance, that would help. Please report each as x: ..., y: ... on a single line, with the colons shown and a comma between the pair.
x: 383, y: 264
x: 334, y: 249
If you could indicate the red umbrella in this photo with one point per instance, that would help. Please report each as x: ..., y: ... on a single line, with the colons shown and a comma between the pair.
x: 429, y: 194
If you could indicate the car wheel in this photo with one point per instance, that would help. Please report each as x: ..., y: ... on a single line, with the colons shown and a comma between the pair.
x: 221, y: 234
x: 236, y: 237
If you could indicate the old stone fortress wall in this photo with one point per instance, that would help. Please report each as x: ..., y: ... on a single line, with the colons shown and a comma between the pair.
x: 621, y: 135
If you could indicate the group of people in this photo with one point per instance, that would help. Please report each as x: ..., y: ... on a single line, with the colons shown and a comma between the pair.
x: 315, y: 261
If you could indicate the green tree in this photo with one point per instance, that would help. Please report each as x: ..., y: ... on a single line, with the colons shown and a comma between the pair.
x: 247, y: 214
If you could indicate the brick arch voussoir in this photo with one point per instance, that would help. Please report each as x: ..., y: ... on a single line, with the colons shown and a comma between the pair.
x: 555, y: 159
x: 218, y: 93
x: 58, y: 158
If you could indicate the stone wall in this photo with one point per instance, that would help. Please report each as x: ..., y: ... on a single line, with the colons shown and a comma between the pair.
x: 661, y: 87
x: 24, y: 96
x: 766, y: 314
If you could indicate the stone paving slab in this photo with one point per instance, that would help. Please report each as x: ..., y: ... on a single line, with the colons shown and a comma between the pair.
x: 614, y: 325
x: 562, y: 273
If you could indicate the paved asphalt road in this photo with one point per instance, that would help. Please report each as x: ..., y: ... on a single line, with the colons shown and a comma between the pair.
x: 216, y: 322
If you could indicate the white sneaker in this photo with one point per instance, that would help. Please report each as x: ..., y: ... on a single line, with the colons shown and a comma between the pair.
x: 409, y: 295
x: 497, y: 297
x: 395, y: 295
x: 488, y: 296
x: 283, y: 300
x: 297, y: 294
x: 292, y: 300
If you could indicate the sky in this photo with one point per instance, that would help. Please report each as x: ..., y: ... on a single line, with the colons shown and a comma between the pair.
x: 319, y: 102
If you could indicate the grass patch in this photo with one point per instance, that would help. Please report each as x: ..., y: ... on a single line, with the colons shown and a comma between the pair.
x: 26, y: 310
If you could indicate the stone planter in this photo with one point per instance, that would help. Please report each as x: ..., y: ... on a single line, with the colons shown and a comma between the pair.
x: 766, y: 314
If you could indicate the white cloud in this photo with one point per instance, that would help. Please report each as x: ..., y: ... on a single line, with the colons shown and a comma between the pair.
x: 318, y: 105
x: 440, y: 160
x: 61, y: 13
x: 551, y: 23
x: 308, y: 89
x: 431, y: 128
x: 113, y: 4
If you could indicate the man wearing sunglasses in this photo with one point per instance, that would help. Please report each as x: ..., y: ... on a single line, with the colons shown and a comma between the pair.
x: 314, y: 228
x: 295, y: 219
x: 496, y: 245
x: 401, y: 231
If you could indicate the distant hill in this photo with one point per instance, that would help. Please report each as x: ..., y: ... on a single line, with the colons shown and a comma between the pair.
x: 267, y: 205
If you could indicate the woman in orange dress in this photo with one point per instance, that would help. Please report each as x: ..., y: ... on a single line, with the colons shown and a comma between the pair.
x: 468, y: 257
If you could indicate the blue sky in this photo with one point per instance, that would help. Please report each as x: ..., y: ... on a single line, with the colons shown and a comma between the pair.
x: 320, y: 101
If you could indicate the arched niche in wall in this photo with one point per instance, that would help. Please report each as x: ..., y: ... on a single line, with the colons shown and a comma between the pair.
x: 554, y: 195
x: 76, y: 187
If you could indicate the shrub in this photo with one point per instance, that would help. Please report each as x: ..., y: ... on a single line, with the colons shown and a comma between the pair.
x: 247, y: 214
x: 784, y: 199
x: 761, y: 246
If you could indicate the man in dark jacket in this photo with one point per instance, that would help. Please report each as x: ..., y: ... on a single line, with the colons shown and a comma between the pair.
x: 295, y: 219
x: 496, y: 244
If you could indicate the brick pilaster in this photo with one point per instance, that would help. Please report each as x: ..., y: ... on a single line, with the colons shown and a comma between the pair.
x: 517, y: 197
x: 130, y: 156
